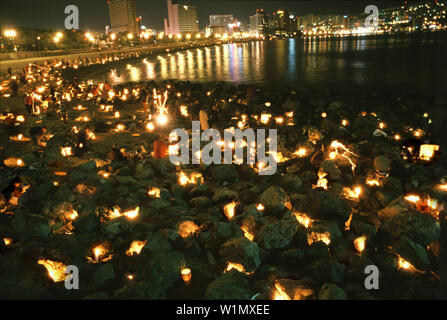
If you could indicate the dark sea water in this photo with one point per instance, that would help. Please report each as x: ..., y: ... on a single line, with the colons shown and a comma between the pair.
x: 408, y: 64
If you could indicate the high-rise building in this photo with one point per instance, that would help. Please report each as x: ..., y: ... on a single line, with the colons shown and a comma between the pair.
x: 221, y: 20
x: 256, y: 24
x: 284, y: 22
x: 182, y: 18
x: 123, y: 16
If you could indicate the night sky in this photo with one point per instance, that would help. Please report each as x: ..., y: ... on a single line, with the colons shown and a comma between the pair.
x: 94, y: 13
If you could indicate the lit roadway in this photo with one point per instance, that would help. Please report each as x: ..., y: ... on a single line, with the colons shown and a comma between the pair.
x: 18, y: 64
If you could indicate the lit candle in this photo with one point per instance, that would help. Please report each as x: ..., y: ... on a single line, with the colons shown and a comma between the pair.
x: 186, y: 275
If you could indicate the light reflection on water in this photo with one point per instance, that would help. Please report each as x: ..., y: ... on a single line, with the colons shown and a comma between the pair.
x: 400, y: 63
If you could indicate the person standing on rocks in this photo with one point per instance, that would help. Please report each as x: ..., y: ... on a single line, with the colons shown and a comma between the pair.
x: 63, y: 111
x: 203, y: 116
x: 81, y: 146
x: 28, y: 100
x: 39, y: 136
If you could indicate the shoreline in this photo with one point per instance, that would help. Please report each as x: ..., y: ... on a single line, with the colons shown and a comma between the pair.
x: 18, y: 64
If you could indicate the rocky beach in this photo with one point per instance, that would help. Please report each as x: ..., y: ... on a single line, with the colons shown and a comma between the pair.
x: 361, y: 181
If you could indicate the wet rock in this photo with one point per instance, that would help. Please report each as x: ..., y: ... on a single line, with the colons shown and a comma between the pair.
x: 420, y: 228
x: 290, y: 182
x: 144, y: 171
x: 230, y: 286
x: 86, y: 224
x: 358, y: 293
x: 128, y: 181
x: 292, y: 256
x: 200, y: 202
x: 29, y: 225
x: 382, y: 165
x: 314, y: 134
x: 223, y: 173
x: 396, y: 207
x: 224, y: 194
x: 295, y: 289
x: 88, y: 167
x: 328, y: 228
x: 162, y: 166
x: 102, y: 274
x: 325, y: 205
x: 23, y: 288
x: 413, y: 253
x: 243, y: 251
x: 277, y: 235
x: 159, y: 204
x: 275, y: 199
x: 200, y: 190
x: 330, y: 167
x: 215, y: 234
x: 330, y: 291
x: 327, y: 270
x: 75, y: 178
x: 132, y: 291
x: 163, y: 270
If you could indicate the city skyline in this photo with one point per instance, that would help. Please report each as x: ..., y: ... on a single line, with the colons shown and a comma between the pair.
x: 95, y: 16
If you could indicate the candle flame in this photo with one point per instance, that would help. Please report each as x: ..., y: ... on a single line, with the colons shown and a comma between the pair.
x: 135, y: 248
x: 56, y: 270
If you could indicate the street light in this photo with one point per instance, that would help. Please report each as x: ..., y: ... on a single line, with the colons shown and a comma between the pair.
x: 113, y: 36
x: 130, y: 36
x: 10, y: 33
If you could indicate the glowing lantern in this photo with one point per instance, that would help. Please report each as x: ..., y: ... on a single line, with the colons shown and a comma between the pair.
x: 154, y: 192
x: 184, y: 111
x: 56, y: 270
x: 412, y: 198
x: 247, y: 234
x: 303, y: 219
x: 280, y: 293
x: 404, y: 264
x: 352, y: 194
x: 135, y: 248
x: 187, y: 228
x: 150, y: 127
x: 373, y: 182
x: 100, y: 254
x: 265, y: 118
x: 301, y: 153
x: 260, y: 207
x: 131, y: 214
x: 162, y: 119
x: 120, y: 128
x: 359, y: 243
x: 14, y: 162
x: 186, y: 275
x: 66, y: 151
x: 427, y: 151
x: 317, y: 236
x: 239, y: 267
x: 229, y: 210
x: 322, y: 181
